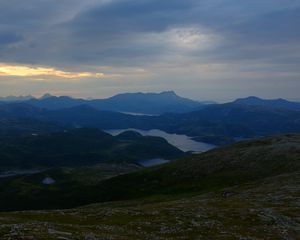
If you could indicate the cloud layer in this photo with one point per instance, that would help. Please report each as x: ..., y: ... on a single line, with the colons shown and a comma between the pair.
x: 207, y: 49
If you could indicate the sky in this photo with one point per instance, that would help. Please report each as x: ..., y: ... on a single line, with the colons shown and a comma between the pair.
x: 203, y: 49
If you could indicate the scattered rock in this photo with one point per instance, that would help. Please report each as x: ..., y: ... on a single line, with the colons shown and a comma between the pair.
x: 48, y: 181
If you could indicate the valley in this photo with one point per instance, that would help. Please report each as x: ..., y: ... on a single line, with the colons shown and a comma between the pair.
x: 182, y: 142
x: 212, y: 173
x: 149, y: 120
x: 213, y: 124
x: 263, y: 204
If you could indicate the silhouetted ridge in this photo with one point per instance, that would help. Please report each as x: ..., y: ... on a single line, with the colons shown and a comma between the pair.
x: 147, y: 103
x: 274, y: 103
x: 129, y: 135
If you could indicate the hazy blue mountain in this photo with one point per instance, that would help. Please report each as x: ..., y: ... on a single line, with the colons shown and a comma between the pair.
x: 143, y: 103
x: 21, y: 126
x: 46, y: 95
x: 86, y: 116
x: 19, y: 110
x: 52, y: 102
x: 148, y: 103
x: 224, y: 123
x: 238, y: 118
x: 274, y: 103
x: 77, y: 116
x: 218, y: 124
x: 15, y: 98
x: 19, y: 118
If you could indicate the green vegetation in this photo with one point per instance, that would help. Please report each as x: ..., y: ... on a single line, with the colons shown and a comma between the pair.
x: 69, y: 186
x: 82, y: 146
x: 197, y: 174
x: 21, y: 126
x: 264, y: 209
x: 249, y: 190
x: 227, y: 166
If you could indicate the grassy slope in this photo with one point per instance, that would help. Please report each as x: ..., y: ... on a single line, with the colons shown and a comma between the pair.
x: 265, y: 209
x: 28, y: 191
x: 228, y: 166
x: 249, y: 190
x: 73, y: 148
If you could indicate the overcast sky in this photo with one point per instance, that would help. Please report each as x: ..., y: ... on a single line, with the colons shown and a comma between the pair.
x: 203, y: 49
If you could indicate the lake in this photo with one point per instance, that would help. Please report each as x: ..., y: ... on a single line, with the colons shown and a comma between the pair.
x: 152, y: 162
x: 20, y: 172
x: 180, y: 141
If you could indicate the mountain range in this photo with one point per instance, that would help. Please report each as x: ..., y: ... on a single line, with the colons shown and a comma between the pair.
x: 135, y: 103
x: 275, y: 103
x: 142, y: 103
x: 59, y: 158
x: 15, y: 98
x: 217, y: 123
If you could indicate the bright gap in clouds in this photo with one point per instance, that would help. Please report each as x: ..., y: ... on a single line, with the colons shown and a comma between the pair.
x: 32, y: 71
x: 192, y: 38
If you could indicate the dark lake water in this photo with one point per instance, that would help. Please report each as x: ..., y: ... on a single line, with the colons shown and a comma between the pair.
x: 152, y: 162
x: 182, y: 142
x: 20, y: 172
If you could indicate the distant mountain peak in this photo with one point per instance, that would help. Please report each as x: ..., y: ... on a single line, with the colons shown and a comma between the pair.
x: 168, y: 93
x: 252, y: 97
x: 139, y: 102
x: 275, y: 103
x: 46, y: 95
x: 12, y: 98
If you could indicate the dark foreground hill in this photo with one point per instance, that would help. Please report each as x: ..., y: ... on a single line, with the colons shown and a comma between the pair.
x: 23, y: 126
x: 237, y: 164
x: 82, y: 146
x: 227, y: 166
x: 249, y: 190
x: 265, y: 209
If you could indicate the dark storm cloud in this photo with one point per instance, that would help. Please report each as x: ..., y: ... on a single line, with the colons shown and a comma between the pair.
x: 133, y: 16
x: 115, y: 28
x: 154, y: 35
x: 112, y: 30
x: 280, y: 26
x: 7, y: 38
